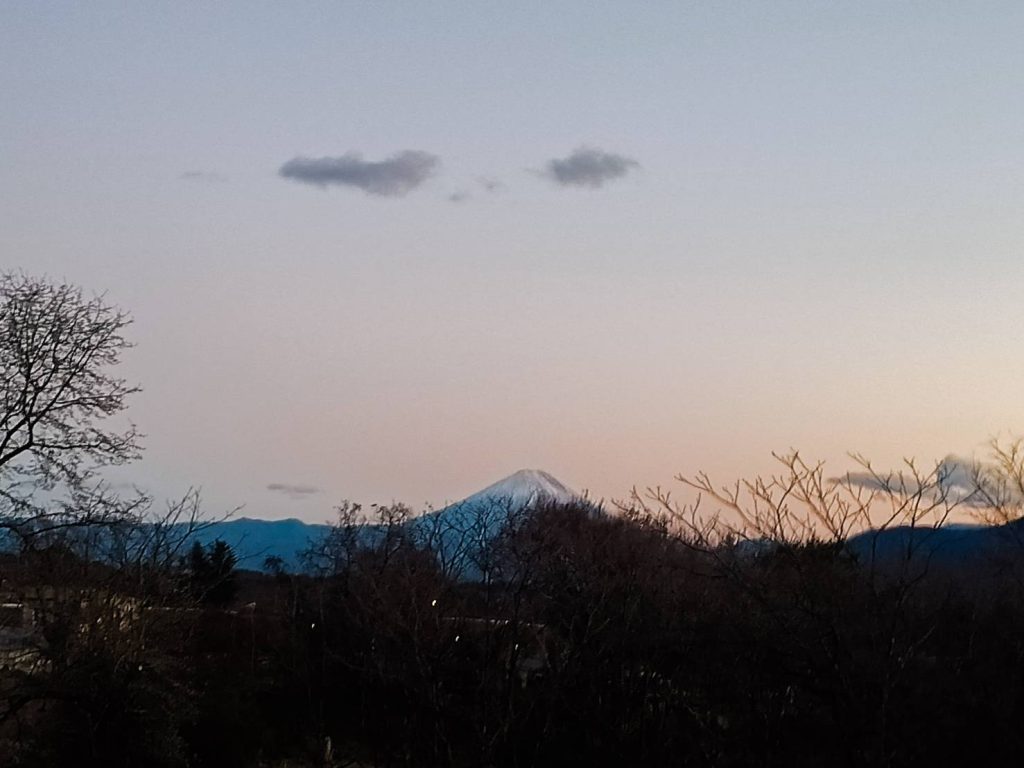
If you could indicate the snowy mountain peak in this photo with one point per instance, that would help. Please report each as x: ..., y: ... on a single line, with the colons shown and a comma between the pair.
x: 525, y: 488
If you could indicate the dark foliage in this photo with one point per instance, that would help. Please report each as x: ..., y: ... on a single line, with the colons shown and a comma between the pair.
x: 212, y: 573
x: 601, y: 640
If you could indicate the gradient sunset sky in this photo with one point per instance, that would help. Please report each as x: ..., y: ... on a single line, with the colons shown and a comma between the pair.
x: 398, y: 250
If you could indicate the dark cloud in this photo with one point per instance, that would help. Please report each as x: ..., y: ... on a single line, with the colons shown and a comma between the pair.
x: 588, y: 167
x: 459, y: 196
x: 203, y: 176
x: 294, y: 491
x: 397, y: 175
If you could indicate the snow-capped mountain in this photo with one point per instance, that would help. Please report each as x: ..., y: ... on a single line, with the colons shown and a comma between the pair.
x: 523, y: 489
x: 485, y: 512
x: 462, y: 533
x: 471, y: 522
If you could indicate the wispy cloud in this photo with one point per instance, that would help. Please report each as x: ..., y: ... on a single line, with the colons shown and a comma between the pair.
x: 294, y: 492
x: 208, y: 177
x: 589, y: 167
x: 490, y: 184
x: 956, y: 478
x: 393, y: 177
x: 459, y: 196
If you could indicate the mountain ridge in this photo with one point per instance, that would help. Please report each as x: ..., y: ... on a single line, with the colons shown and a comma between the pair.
x: 254, y: 539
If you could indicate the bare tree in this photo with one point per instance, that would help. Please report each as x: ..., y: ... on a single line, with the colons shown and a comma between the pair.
x: 59, y: 396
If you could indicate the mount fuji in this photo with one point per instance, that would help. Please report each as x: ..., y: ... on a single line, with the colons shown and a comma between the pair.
x: 522, y: 490
x: 475, y: 519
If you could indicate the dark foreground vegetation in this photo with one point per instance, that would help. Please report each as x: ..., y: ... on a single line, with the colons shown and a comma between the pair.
x: 643, y: 634
x: 593, y: 640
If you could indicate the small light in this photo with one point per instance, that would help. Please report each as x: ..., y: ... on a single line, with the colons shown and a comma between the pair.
x: 457, y: 638
x: 313, y: 625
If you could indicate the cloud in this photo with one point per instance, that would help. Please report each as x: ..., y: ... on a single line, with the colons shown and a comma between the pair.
x: 588, y: 167
x: 394, y: 177
x: 959, y: 479
x: 207, y: 177
x: 491, y: 185
x: 294, y: 492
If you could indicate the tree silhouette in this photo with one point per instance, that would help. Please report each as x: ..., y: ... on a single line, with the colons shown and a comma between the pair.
x: 57, y: 391
x: 212, y: 573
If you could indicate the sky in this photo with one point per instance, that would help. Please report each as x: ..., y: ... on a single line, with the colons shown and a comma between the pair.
x: 397, y: 251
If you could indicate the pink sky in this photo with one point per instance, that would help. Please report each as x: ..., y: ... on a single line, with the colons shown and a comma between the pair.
x: 812, y: 239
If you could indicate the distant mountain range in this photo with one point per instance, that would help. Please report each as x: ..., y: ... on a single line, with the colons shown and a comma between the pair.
x: 254, y: 540
x: 477, y: 517
x: 948, y: 545
x: 466, y: 526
